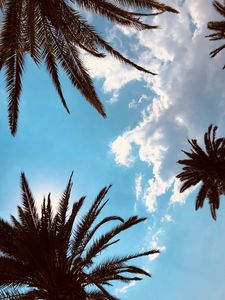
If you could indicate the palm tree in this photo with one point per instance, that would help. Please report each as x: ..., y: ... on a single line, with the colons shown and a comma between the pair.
x: 54, y: 32
x: 207, y: 167
x: 47, y: 257
x: 218, y: 27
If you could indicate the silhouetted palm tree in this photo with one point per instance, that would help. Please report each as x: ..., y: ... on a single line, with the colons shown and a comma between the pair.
x: 53, y: 32
x: 47, y: 257
x: 207, y: 167
x: 218, y: 27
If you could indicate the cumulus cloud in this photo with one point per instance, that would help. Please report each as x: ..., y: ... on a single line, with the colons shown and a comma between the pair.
x: 122, y: 149
x: 189, y: 95
x: 114, y: 73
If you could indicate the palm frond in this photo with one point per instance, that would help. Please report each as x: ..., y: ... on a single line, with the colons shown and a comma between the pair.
x: 114, y: 13
x: 214, y: 200
x: 6, y: 242
x: 63, y: 205
x: 28, y: 202
x: 104, y: 241
x: 218, y: 27
x: 201, y: 196
x: 147, y: 5
x: 91, y: 232
x: 219, y: 7
x: 12, y: 57
x: 81, y: 233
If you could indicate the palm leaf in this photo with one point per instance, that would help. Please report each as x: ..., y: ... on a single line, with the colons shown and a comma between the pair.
x: 218, y: 27
x: 201, y: 196
x: 11, y: 50
x: 63, y: 205
x: 29, y: 207
x: 103, y: 242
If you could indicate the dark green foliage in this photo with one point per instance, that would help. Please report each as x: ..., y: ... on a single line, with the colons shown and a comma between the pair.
x: 218, y: 27
x: 54, y: 32
x: 207, y: 167
x: 53, y: 256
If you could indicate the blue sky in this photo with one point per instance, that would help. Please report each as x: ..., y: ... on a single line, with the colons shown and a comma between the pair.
x: 135, y: 148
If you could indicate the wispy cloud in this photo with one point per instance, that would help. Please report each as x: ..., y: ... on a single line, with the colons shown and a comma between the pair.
x: 133, y: 104
x: 138, y: 186
x: 166, y: 219
x: 155, y: 243
x: 114, y: 98
x: 124, y: 289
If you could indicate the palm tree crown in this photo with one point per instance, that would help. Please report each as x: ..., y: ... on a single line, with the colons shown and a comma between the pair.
x: 53, y: 32
x: 218, y: 27
x: 207, y: 167
x: 47, y: 257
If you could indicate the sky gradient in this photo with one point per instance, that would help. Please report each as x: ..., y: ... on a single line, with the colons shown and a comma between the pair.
x: 136, y: 148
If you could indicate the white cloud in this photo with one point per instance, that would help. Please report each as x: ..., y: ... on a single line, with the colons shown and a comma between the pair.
x: 156, y: 187
x: 134, y: 103
x: 189, y: 93
x: 154, y: 256
x: 114, y: 97
x: 177, y: 197
x: 154, y: 243
x: 122, y: 149
x: 138, y: 186
x: 166, y: 219
x: 125, y: 288
x: 114, y: 73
